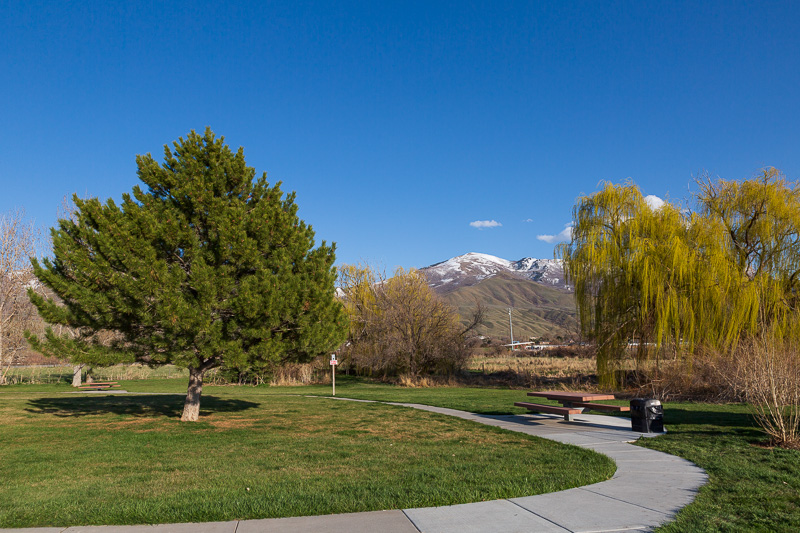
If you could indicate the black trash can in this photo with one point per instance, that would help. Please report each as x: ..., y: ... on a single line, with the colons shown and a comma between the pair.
x: 647, y: 416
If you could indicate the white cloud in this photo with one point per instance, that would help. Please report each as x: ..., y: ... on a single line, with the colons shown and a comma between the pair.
x: 528, y: 220
x: 480, y: 224
x: 654, y: 201
x: 565, y: 235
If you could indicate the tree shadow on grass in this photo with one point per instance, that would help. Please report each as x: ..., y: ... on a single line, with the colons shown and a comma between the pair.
x: 132, y: 405
x: 699, y: 417
x: 713, y: 423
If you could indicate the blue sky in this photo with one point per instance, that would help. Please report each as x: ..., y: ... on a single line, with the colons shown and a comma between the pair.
x: 399, y: 124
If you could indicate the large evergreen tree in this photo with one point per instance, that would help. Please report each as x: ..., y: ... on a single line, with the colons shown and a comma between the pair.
x: 206, y: 267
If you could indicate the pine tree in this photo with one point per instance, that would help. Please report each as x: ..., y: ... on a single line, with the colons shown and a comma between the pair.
x: 206, y: 267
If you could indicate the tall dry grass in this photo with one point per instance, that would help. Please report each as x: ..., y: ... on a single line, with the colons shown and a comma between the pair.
x: 317, y: 371
x: 538, y: 364
x: 408, y: 380
x: 524, y: 369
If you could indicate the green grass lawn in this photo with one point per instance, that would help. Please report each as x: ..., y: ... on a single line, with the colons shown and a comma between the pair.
x: 129, y: 457
x: 751, y: 488
x: 69, y: 459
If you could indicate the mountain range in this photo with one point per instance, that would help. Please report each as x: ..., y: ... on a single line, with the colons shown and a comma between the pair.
x: 542, y: 303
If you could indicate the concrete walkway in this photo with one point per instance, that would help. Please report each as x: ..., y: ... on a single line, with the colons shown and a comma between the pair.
x: 647, y: 490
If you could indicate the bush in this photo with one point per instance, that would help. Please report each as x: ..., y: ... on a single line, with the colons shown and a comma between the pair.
x: 768, y: 375
x: 400, y: 326
x: 763, y: 371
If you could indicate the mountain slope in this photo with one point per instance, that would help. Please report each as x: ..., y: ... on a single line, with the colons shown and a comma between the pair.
x: 538, y: 310
x: 542, y: 303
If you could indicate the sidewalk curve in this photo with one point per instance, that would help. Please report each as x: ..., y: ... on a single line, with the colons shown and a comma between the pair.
x: 647, y: 490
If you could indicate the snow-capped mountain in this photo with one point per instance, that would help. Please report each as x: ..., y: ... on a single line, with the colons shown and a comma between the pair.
x: 472, y: 268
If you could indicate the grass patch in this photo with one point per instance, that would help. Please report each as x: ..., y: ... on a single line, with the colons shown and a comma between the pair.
x: 488, y: 401
x: 41, y: 374
x: 70, y: 459
x: 751, y: 487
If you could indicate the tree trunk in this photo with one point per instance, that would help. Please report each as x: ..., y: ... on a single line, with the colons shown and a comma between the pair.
x: 191, y: 407
x: 76, y: 375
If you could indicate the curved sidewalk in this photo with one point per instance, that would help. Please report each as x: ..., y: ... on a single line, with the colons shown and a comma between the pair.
x: 647, y: 490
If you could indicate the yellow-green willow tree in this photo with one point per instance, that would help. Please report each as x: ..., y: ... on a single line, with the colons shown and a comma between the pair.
x: 669, y: 280
x: 761, y: 219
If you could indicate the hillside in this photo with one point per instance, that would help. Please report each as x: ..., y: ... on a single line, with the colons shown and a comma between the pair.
x: 543, y: 303
x: 539, y: 310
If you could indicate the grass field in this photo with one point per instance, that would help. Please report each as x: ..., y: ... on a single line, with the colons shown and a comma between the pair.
x: 70, y: 459
x: 752, y: 488
x: 540, y: 365
x: 38, y: 375
x: 521, y: 362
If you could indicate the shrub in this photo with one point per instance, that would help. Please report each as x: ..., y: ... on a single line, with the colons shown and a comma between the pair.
x: 400, y: 326
x: 768, y: 376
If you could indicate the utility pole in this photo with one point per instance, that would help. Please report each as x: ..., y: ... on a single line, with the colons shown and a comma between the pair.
x: 511, y: 328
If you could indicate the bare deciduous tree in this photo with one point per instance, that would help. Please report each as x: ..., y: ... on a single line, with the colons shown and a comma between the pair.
x: 400, y: 326
x: 19, y: 240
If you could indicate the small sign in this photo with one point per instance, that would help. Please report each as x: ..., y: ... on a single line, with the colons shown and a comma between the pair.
x: 334, y: 362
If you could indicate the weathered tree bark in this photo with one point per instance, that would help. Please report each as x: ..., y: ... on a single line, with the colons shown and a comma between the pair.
x: 191, y: 407
x: 76, y: 375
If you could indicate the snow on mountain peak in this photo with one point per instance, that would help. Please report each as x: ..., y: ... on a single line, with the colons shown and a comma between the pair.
x: 473, y: 267
x: 475, y: 259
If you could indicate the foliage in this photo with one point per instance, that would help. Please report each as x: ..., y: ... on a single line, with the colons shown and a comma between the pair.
x: 208, y: 267
x: 399, y: 325
x: 670, y: 280
x: 761, y: 223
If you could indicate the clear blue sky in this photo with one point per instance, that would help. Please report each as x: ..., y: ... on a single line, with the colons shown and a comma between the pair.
x: 399, y: 123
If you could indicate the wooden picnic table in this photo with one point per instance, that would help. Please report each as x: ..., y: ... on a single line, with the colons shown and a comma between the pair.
x: 567, y: 398
x: 99, y: 385
x: 572, y: 403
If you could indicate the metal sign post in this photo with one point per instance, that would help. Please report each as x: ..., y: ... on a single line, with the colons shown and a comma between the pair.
x: 334, y: 362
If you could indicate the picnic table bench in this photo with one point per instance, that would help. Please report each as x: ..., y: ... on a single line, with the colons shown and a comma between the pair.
x: 100, y: 385
x: 572, y: 403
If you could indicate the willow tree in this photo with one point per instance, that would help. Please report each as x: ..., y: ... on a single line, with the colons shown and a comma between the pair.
x: 614, y: 262
x: 660, y: 278
x: 207, y: 267
x: 760, y: 219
